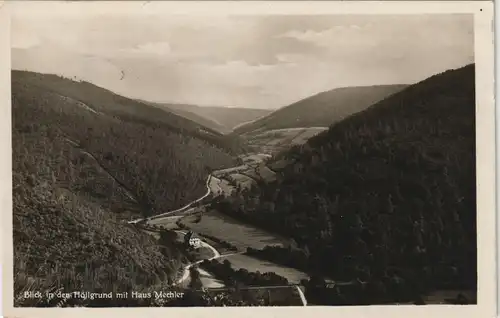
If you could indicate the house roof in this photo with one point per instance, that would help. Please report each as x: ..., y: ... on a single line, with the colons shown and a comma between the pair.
x: 192, y: 235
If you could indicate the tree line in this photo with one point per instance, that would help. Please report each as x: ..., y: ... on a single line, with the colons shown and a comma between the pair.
x: 388, y: 194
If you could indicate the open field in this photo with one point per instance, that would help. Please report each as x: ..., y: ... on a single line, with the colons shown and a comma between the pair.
x: 222, y: 249
x: 254, y: 158
x: 251, y: 173
x: 274, y: 141
x: 222, y: 172
x: 242, y: 180
x: 260, y: 173
x: 265, y: 173
x: 253, y: 170
x: 237, y: 233
x: 220, y: 186
x: 278, y: 165
x: 307, y: 133
x: 202, y: 253
x: 214, y: 185
x: 253, y: 264
x: 208, y: 280
x: 166, y: 222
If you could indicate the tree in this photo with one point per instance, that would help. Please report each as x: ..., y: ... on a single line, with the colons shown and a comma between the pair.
x: 195, y: 282
x: 167, y: 237
x: 187, y: 237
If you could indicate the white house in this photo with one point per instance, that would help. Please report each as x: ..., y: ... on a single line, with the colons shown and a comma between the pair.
x: 195, y: 242
x: 192, y: 239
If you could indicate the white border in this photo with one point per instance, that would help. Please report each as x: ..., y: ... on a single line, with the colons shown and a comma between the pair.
x: 483, y: 12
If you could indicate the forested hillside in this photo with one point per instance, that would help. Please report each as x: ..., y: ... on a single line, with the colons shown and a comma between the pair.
x: 85, y: 159
x: 386, y: 196
x: 101, y: 100
x: 321, y: 110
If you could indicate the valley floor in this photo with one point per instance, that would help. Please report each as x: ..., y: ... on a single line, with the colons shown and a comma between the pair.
x: 221, y: 227
x: 241, y: 236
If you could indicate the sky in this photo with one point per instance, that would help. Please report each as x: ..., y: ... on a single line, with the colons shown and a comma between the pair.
x: 251, y: 61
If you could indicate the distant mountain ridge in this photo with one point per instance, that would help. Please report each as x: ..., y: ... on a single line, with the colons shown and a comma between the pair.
x: 234, y: 116
x: 218, y: 118
x: 321, y: 110
x: 188, y: 111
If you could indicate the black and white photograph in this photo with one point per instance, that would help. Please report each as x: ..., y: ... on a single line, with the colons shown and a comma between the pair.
x: 177, y: 159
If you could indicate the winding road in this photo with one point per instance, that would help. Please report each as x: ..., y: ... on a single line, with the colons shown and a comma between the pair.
x: 183, y: 209
x: 216, y: 254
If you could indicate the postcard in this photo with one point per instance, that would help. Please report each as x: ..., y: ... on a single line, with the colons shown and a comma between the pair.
x: 289, y: 158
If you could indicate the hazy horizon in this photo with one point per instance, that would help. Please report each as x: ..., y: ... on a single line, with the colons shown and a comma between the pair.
x: 264, y: 62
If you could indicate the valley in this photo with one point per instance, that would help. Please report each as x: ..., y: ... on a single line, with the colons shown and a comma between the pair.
x: 164, y: 155
x: 287, y: 209
x: 213, y: 224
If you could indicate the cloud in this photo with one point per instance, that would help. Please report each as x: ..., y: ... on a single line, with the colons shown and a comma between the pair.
x: 319, y: 37
x: 249, y: 61
x: 59, y: 61
x: 25, y: 41
x: 23, y: 37
x: 293, y: 59
x: 156, y: 48
x: 241, y: 66
x: 335, y: 37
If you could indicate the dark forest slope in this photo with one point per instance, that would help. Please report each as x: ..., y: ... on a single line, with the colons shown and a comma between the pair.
x: 323, y: 109
x: 84, y: 160
x: 387, y: 195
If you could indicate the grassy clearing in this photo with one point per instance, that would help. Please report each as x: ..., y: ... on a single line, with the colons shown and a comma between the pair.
x: 252, y: 174
x: 231, y: 170
x: 202, y: 253
x: 237, y: 233
x: 222, y: 185
x: 208, y: 280
x: 306, y: 134
x: 220, y: 245
x: 266, y: 174
x: 168, y: 223
x: 241, y: 180
x: 253, y: 264
x: 278, y: 140
x: 254, y: 158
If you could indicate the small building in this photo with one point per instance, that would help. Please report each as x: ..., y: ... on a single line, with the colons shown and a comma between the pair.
x: 193, y: 240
